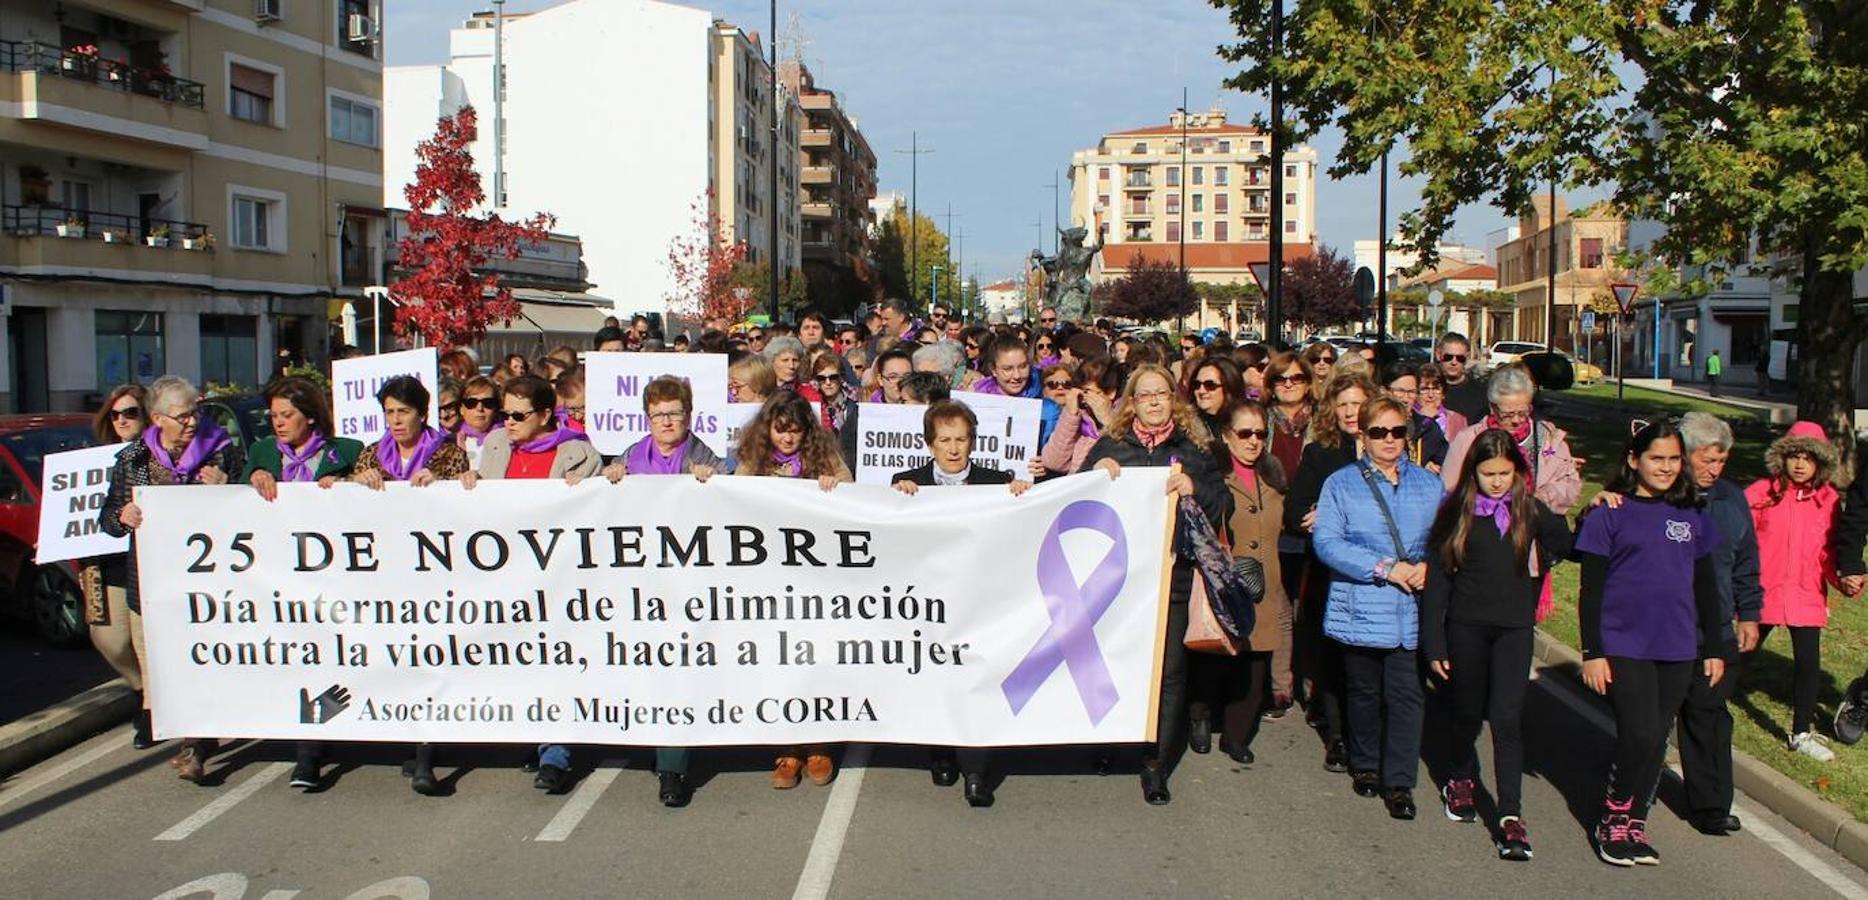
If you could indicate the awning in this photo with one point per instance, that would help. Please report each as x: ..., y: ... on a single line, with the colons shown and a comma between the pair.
x: 556, y: 312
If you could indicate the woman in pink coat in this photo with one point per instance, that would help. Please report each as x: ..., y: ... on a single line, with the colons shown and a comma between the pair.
x: 1795, y: 513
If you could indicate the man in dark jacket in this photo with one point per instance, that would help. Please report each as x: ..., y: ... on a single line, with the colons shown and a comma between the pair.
x: 1464, y: 393
x: 1705, y: 720
x: 1851, y: 533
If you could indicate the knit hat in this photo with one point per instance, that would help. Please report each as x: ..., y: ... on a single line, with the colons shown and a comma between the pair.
x: 1807, y: 437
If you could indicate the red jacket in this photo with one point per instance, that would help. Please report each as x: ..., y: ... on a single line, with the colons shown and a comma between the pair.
x: 1794, y: 560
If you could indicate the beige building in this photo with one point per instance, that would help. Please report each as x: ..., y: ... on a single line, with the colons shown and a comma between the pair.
x: 839, y: 179
x: 1130, y: 190
x: 1586, y: 247
x: 739, y: 154
x: 187, y: 186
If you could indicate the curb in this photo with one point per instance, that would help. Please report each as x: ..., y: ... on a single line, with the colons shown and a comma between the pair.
x: 1829, y: 824
x: 62, y: 725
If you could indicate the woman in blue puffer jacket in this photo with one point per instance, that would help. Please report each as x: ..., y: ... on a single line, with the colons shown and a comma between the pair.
x: 1372, y: 524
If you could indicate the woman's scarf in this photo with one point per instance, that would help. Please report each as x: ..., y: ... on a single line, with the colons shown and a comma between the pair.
x: 1291, y: 425
x: 209, y: 438
x: 645, y: 459
x: 1153, y: 437
x: 565, y: 420
x: 390, y: 455
x: 302, y: 465
x: 1519, y: 434
x: 1248, y: 476
x: 1498, y: 509
x: 476, y: 435
x: 550, y: 440
x: 791, y: 464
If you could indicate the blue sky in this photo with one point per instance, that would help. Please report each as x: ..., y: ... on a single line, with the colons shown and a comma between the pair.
x: 1003, y: 92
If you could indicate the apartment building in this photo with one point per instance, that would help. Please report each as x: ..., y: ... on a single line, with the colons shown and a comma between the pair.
x: 1130, y: 188
x: 620, y: 116
x: 1587, y: 243
x: 185, y: 186
x: 838, y: 177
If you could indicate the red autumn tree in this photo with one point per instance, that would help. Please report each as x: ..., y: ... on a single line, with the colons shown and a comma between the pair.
x: 1320, y: 290
x: 701, y: 265
x: 1151, y: 292
x: 445, y: 294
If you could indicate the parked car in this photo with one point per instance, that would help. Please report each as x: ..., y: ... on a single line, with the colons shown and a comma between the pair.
x: 46, y: 595
x: 1504, y: 353
x: 1586, y: 373
x: 245, y: 416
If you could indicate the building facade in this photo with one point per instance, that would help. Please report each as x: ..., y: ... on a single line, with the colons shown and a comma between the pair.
x: 187, y: 187
x: 1130, y: 188
x: 685, y: 125
x: 1587, y: 244
x: 1368, y: 256
x: 838, y: 177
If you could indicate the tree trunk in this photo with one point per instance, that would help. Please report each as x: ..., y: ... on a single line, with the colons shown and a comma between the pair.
x: 1828, y: 333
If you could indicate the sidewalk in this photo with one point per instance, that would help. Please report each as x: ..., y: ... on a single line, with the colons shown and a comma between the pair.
x: 1772, y: 409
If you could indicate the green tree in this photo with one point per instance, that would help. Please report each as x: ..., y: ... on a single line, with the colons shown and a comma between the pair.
x: 794, y: 290
x: 893, y: 258
x: 1738, y: 123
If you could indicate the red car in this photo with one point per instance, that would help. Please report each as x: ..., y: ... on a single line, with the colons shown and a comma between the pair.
x: 48, y: 595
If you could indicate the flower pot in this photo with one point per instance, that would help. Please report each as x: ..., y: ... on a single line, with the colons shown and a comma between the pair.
x: 194, y: 244
x: 112, y: 237
x: 154, y: 241
x: 71, y: 231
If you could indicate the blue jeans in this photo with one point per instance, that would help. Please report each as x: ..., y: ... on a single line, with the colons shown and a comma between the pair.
x: 554, y: 755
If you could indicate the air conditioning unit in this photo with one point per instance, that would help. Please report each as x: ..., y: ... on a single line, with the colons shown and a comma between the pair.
x: 359, y: 28
x: 268, y: 10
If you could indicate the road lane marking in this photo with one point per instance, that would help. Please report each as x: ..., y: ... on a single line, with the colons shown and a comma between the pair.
x: 827, y: 846
x: 582, y: 801
x: 1755, y: 824
x: 105, y: 744
x: 225, y: 802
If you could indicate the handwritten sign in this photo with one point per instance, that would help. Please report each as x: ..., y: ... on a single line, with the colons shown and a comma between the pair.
x: 613, y: 385
x: 75, y: 484
x: 354, y: 383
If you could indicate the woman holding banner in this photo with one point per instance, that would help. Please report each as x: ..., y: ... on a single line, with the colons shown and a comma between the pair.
x: 1154, y: 427
x: 786, y: 440
x: 479, y: 402
x: 534, y: 445
x: 304, y: 448
x: 182, y: 448
x: 116, y: 632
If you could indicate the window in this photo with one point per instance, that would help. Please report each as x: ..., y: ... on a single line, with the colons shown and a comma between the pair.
x: 1199, y: 231
x: 76, y: 195
x: 1173, y: 176
x: 129, y: 348
x: 1219, y: 175
x: 1290, y: 171
x: 1102, y: 200
x: 1102, y: 173
x: 1256, y: 232
x: 1219, y: 231
x: 1225, y: 146
x: 1290, y: 228
x: 346, y: 11
x: 1199, y: 203
x: 1173, y: 204
x: 1140, y: 147
x: 230, y: 349
x: 353, y: 122
x: 250, y: 93
x: 256, y: 219
x: 1592, y: 253
x: 1221, y: 203
x: 1173, y: 231
x: 1258, y: 146
x: 1290, y: 198
x: 1199, y: 174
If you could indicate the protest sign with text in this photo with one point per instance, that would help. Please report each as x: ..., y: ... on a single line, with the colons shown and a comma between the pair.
x: 613, y: 384
x: 354, y: 383
x: 661, y: 611
x: 891, y: 438
x: 75, y: 483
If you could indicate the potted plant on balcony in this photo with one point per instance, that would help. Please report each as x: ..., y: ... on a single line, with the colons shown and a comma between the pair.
x: 204, y: 241
x: 116, y: 236
x: 80, y: 61
x: 157, y: 236
x: 71, y: 228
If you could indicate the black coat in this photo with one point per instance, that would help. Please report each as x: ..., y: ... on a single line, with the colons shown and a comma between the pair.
x: 1209, y: 483
x: 1317, y: 465
x: 924, y: 475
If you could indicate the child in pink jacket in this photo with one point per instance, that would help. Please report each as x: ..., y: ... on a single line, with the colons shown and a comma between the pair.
x: 1795, y: 513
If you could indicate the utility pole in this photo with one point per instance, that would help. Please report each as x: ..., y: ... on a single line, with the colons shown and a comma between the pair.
x: 1274, y: 296
x: 1057, y: 222
x: 775, y: 260
x: 914, y: 152
x: 1550, y: 294
x: 1381, y: 259
x: 499, y: 104
x: 950, y: 270
x: 1180, y: 180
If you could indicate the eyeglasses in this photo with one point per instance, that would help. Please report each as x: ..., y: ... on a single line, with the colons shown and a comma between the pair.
x: 1326, y: 360
x: 755, y: 337
x: 894, y: 376
x: 828, y: 378
x: 1246, y: 434
x: 1453, y: 357
x: 1047, y: 320
x: 1060, y: 385
x: 674, y: 416
x: 1510, y: 415
x: 1207, y: 384
x: 183, y: 418
x: 1149, y: 396
x: 451, y: 407
x: 128, y: 412
x: 575, y: 410
x: 1044, y: 345
x: 1379, y: 433
x: 1291, y: 379
x: 518, y: 416
x: 478, y: 402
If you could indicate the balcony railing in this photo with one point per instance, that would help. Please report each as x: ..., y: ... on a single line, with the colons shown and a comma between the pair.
x: 46, y: 59
x: 90, y: 225
x: 1138, y: 181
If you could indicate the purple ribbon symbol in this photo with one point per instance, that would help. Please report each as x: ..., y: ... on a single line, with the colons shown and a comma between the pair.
x: 1075, y: 608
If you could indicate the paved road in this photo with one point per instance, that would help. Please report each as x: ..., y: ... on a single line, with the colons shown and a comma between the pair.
x: 34, y: 675
x: 105, y: 821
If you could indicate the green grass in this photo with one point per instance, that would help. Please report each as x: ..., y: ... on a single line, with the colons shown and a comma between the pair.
x: 1652, y: 401
x: 1761, y: 708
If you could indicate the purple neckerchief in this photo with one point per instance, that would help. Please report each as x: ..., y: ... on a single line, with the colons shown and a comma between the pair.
x: 1086, y: 427
x: 1049, y: 361
x: 565, y: 420
x: 791, y: 463
x: 1438, y: 417
x: 209, y: 438
x: 478, y: 436
x: 550, y: 440
x: 303, y: 465
x: 645, y: 459
x: 877, y: 397
x: 1498, y: 509
x: 390, y: 455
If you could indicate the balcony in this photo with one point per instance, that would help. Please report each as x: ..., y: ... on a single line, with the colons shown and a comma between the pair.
x: 818, y: 137
x: 44, y: 83
x: 46, y: 59
x: 1137, y: 181
x: 1140, y: 236
x: 818, y: 209
x: 53, y: 237
x: 817, y: 175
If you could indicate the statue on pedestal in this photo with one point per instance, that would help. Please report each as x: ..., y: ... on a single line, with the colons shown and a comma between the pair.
x: 1067, y: 273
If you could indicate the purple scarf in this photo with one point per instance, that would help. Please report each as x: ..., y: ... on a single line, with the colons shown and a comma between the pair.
x: 478, y: 436
x: 645, y: 459
x: 550, y: 440
x: 209, y: 438
x: 791, y: 464
x: 303, y: 465
x: 390, y: 455
x: 1498, y: 509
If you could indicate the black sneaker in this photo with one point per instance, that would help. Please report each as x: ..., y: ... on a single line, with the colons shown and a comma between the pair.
x: 1513, y: 843
x: 1852, y: 716
x: 305, y: 775
x: 1366, y: 784
x: 674, y: 790
x: 1639, y: 849
x: 1457, y: 796
x: 1612, y: 844
x: 1336, y: 759
x: 1400, y: 802
x: 551, y: 780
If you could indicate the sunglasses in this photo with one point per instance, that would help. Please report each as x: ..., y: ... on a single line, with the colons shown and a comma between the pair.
x: 511, y: 416
x: 1379, y: 433
x: 1246, y: 434
x: 132, y: 412
x: 1060, y: 385
x: 478, y: 402
x: 1207, y: 384
x: 755, y: 337
x: 1326, y: 360
x: 1044, y: 345
x: 1453, y: 357
x: 451, y: 407
x: 1291, y: 379
x: 1047, y: 321
x: 828, y: 378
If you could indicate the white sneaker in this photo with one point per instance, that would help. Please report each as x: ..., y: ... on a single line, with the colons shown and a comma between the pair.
x: 1812, y: 745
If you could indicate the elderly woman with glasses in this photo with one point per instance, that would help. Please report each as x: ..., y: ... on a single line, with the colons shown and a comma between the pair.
x: 479, y: 401
x: 180, y: 447
x: 1556, y: 478
x: 1430, y: 400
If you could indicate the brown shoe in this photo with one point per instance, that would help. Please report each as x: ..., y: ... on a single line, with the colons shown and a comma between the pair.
x: 190, y: 764
x: 785, y: 772
x: 820, y: 768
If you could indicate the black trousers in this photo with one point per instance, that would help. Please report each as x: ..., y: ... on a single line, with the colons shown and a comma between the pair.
x: 1806, y: 650
x: 1491, y: 670
x: 1237, y: 688
x: 1706, y: 741
x: 1171, y: 721
x: 1646, y: 696
x: 1386, y: 706
x: 1315, y: 659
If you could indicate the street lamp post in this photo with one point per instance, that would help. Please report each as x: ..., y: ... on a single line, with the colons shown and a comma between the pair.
x: 915, y: 153
x: 934, y: 284
x: 1181, y: 185
x: 377, y: 294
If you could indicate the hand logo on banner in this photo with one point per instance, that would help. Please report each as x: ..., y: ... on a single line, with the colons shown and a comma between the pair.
x: 1074, y: 608
x: 324, y: 707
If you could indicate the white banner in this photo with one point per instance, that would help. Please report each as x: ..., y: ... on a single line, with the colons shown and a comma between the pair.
x: 353, y: 389
x: 75, y: 483
x: 890, y: 439
x: 661, y: 612
x: 613, y: 384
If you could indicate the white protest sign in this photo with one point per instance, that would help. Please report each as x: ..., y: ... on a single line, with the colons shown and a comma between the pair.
x: 658, y: 612
x: 613, y: 383
x: 891, y: 439
x: 353, y: 389
x: 1015, y: 444
x: 75, y: 483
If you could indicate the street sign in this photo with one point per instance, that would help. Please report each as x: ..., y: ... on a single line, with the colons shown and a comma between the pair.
x: 1261, y: 274
x: 1625, y: 294
x: 1589, y: 320
x: 1365, y: 290
x: 1435, y: 297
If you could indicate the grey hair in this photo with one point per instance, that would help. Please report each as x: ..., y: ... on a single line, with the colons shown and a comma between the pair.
x: 1699, y: 429
x: 946, y: 354
x: 1509, y: 382
x: 784, y: 344
x: 170, y: 392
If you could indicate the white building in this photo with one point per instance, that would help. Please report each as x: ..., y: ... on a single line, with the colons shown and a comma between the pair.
x: 884, y: 207
x: 620, y: 117
x: 1733, y: 318
x: 1368, y: 255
